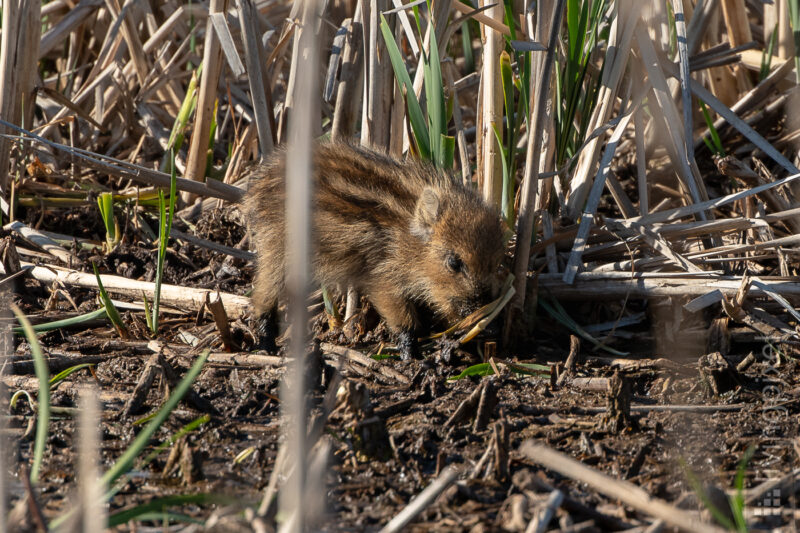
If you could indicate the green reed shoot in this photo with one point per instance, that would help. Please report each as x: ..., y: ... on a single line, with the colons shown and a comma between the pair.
x: 109, y: 307
x: 126, y: 460
x: 575, y: 93
x: 105, y: 201
x: 430, y: 133
x: 767, y: 55
x: 142, y: 440
x: 43, y: 404
x: 67, y: 322
x: 714, y: 144
x: 166, y: 210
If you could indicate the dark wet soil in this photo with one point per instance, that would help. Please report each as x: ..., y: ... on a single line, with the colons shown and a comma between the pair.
x: 389, y: 437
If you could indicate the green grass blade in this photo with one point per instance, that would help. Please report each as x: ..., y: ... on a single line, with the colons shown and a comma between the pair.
x: 481, y: 369
x: 43, y: 411
x: 148, y: 313
x: 466, y: 47
x: 109, y: 307
x: 105, y: 202
x: 560, y: 314
x: 125, y: 462
x: 165, y: 228
x: 417, y: 119
x: 159, y: 504
x: 485, y: 369
x: 767, y: 55
x: 448, y: 148
x: 434, y: 96
x: 507, y: 198
x: 64, y: 374
x: 188, y: 106
x: 330, y: 309
x: 698, y: 489
x: 716, y: 143
x: 185, y: 430
x: 66, y: 322
x: 737, y: 501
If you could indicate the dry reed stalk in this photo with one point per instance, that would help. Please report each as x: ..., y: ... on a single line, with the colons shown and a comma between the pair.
x: 123, y: 169
x: 206, y: 102
x: 461, y: 138
x: 625, y: 491
x: 745, y: 129
x: 539, y: 93
x: 5, y: 338
x: 685, y: 168
x: 641, y: 161
x: 421, y: 501
x: 252, y: 48
x: 43, y: 241
x: 77, y: 16
x: 19, y: 54
x: 351, y: 76
x: 618, y: 284
x: 175, y: 295
x: 593, y: 200
x: 303, y: 122
x: 378, y: 80
x: 738, y: 25
x: 90, y: 487
x: 620, y: 37
x: 492, y: 22
x: 346, y: 111
x: 491, y: 110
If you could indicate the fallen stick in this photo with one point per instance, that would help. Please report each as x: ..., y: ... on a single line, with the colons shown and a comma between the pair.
x: 174, y: 295
x: 423, y: 500
x: 600, y: 287
x: 364, y: 360
x: 46, y: 243
x: 626, y: 492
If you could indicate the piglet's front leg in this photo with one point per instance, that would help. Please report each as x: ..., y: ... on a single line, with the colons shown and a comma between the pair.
x: 401, y: 316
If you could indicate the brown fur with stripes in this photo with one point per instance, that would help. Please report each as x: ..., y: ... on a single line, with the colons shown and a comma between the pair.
x: 402, y: 233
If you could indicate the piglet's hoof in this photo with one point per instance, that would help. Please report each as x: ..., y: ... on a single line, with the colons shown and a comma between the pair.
x: 407, y: 345
x: 266, y: 333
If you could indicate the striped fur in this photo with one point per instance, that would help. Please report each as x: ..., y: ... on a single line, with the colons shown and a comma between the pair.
x: 395, y: 231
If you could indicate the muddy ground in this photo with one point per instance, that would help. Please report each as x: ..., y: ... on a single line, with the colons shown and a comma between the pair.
x: 392, y: 433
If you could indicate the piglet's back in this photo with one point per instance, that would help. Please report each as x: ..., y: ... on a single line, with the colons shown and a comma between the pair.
x: 364, y: 202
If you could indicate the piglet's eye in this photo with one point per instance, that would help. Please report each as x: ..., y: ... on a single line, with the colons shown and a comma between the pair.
x: 454, y: 263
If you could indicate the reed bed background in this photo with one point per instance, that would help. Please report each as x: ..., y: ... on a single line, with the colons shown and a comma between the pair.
x: 642, y: 154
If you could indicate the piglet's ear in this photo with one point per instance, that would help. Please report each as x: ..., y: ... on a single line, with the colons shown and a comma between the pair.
x: 425, y: 214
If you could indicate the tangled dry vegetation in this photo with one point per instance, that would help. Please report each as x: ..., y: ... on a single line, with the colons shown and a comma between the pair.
x: 645, y: 378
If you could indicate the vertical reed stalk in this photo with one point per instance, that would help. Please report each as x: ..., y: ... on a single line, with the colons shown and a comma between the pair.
x: 539, y: 94
x: 19, y: 55
x: 492, y: 110
x: 248, y: 18
x: 197, y: 159
x: 90, y: 486
x: 303, y: 121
